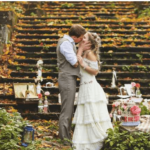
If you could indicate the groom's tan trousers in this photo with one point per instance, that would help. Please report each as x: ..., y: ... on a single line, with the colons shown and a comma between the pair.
x: 67, y: 88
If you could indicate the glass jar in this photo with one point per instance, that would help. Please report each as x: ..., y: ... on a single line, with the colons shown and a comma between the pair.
x: 40, y: 106
x: 138, y: 92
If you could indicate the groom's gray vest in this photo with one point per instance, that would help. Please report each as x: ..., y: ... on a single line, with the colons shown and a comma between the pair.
x: 63, y: 64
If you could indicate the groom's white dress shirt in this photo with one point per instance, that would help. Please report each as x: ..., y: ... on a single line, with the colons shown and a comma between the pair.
x: 67, y: 50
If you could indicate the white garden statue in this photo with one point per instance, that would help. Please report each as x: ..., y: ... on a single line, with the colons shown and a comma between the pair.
x: 38, y: 88
x: 114, y: 78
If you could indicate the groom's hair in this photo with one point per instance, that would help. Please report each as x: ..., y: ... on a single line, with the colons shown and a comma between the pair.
x: 77, y: 30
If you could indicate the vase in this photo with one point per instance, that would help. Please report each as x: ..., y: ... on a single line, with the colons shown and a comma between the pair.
x: 133, y: 91
x: 138, y: 93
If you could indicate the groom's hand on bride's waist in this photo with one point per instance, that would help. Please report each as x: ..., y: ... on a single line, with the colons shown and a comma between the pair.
x: 76, y: 65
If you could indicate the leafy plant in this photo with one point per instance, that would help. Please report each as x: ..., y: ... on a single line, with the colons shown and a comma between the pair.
x: 45, y: 47
x: 127, y: 68
x: 11, y: 126
x: 80, y: 18
x: 123, y: 140
x: 140, y: 57
x: 31, y: 69
x: 33, y: 14
x: 68, y: 21
x: 18, y: 68
x: 112, y: 5
x: 67, y: 5
x: 144, y: 110
x: 143, y: 68
x: 144, y: 13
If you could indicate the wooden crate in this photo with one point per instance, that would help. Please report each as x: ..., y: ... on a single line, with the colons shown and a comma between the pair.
x: 20, y: 91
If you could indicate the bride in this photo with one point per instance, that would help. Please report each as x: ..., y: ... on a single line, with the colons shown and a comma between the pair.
x: 91, y: 118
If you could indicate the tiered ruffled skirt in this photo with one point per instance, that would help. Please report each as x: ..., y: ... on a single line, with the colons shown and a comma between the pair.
x: 91, y: 118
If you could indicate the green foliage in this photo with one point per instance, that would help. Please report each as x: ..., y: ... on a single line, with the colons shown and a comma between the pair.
x: 144, y: 13
x: 45, y: 47
x: 123, y: 140
x: 11, y: 126
x: 143, y: 68
x: 19, y: 10
x: 31, y: 69
x: 127, y: 68
x: 67, y: 5
x: 80, y: 18
x: 144, y: 110
x: 68, y: 21
x: 18, y: 68
x: 112, y: 5
x: 33, y: 14
x: 140, y: 57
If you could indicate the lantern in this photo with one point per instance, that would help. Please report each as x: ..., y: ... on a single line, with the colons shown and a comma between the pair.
x: 28, y: 135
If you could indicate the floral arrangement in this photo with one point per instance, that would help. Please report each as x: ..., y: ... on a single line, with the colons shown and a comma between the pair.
x: 138, y: 85
x: 47, y: 93
x: 115, y: 104
x: 123, y: 107
x: 133, y: 84
x: 135, y: 110
x: 40, y: 96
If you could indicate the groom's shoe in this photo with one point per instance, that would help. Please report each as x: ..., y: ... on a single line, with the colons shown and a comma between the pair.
x: 66, y: 143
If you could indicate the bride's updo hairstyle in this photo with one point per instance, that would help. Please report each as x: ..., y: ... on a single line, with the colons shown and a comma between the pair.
x: 95, y: 44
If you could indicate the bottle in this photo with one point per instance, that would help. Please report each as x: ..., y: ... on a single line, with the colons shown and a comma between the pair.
x: 27, y: 92
x: 138, y: 93
x: 40, y: 106
x: 45, y: 109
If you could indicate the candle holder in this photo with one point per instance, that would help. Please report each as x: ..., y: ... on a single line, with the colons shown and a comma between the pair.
x: 28, y: 135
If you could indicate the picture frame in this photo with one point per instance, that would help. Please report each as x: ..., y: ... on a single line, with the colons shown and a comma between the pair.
x: 129, y: 89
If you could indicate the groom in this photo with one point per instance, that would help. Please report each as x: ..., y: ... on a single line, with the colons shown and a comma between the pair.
x: 68, y: 72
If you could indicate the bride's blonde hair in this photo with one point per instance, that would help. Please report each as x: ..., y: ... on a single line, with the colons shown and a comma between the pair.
x: 95, y: 45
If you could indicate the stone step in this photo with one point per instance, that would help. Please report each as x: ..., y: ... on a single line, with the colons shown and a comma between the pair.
x: 129, y: 68
x: 51, y: 115
x: 53, y: 7
x: 91, y: 3
x: 101, y: 21
x: 56, y: 17
x: 124, y: 61
x: 103, y: 36
x: 105, y: 81
x: 103, y: 42
x: 104, y: 49
x: 102, y: 26
x: 99, y: 31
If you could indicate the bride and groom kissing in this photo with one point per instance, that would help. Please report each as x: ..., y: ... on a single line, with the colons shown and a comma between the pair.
x: 91, y: 117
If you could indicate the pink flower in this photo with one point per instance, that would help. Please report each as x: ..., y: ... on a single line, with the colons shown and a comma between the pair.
x: 124, y: 107
x: 116, y: 104
x: 110, y: 115
x: 138, y: 85
x: 133, y: 84
x: 39, y: 95
x: 135, y: 110
x: 47, y: 93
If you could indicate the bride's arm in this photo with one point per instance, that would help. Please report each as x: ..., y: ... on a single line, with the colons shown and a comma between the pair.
x: 83, y: 46
x: 86, y: 67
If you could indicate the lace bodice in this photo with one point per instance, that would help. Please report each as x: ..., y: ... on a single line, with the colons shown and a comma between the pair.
x: 85, y: 76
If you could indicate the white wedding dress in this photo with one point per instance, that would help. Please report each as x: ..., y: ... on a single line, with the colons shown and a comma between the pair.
x: 91, y: 117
